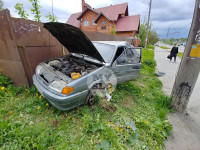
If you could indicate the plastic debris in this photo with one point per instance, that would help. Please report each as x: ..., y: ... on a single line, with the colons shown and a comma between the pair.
x: 130, y: 125
x: 160, y: 74
x: 108, y: 96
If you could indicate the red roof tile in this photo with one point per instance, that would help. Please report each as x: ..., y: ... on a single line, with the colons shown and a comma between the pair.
x: 83, y: 13
x: 101, y: 14
x: 113, y: 11
x: 128, y: 23
x: 73, y: 21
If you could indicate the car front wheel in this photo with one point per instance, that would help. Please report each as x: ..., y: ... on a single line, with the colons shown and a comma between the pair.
x: 90, y: 100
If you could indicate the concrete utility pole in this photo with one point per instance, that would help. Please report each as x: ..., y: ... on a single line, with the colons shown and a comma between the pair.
x: 52, y: 9
x: 168, y: 32
x: 145, y: 45
x: 190, y: 65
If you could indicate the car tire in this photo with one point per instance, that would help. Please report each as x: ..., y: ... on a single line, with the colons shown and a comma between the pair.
x: 90, y: 99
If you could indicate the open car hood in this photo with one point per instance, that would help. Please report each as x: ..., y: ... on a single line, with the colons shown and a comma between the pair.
x: 73, y: 39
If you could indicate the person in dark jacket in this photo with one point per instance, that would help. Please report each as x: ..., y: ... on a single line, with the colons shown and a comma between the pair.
x: 174, y: 52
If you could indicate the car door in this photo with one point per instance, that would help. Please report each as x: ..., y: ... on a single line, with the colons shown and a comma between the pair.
x: 127, y: 66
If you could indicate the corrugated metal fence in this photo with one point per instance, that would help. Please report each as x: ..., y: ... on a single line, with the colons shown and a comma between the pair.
x: 24, y: 44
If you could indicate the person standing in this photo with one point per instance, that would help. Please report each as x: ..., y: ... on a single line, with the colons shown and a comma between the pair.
x: 174, y: 52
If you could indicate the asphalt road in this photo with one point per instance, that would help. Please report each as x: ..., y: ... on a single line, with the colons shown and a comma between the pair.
x: 186, y: 128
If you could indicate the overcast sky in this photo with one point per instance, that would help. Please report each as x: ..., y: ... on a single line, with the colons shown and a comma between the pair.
x: 176, y: 14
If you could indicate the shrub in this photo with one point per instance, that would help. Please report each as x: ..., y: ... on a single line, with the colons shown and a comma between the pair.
x: 4, y: 81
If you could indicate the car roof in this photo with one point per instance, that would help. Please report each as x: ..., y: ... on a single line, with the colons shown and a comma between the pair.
x: 115, y: 43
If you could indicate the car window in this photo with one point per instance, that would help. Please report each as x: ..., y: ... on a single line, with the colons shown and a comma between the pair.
x: 120, y: 50
x: 121, y: 59
x: 136, y: 52
x: 105, y: 50
x: 128, y: 57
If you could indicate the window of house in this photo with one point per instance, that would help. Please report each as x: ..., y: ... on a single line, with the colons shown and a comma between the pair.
x: 86, y: 23
x: 103, y: 22
x: 103, y: 28
x: 93, y: 22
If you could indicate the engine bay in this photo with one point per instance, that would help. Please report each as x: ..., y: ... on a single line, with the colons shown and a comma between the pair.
x: 72, y: 66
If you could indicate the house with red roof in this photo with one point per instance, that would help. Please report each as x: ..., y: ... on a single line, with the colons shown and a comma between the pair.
x: 105, y: 19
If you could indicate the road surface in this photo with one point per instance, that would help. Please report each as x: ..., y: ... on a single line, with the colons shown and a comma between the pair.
x: 186, y: 128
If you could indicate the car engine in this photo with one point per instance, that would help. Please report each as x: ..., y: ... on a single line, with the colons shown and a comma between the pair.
x: 68, y: 65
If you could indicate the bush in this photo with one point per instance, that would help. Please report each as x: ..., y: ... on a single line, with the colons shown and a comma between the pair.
x: 4, y: 81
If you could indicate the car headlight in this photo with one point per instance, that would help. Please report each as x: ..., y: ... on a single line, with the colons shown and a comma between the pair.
x: 61, y: 87
x: 67, y: 90
x: 39, y: 69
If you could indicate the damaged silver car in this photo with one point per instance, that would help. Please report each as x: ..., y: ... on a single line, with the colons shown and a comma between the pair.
x: 66, y: 82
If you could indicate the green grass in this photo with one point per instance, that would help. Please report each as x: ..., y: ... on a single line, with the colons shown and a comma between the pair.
x: 28, y: 121
x: 163, y: 47
x: 180, y: 54
x: 150, y: 47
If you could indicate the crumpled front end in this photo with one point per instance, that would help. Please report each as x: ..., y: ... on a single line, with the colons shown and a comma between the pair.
x: 60, y: 101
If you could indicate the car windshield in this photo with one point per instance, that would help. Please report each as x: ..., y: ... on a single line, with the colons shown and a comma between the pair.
x: 105, y: 50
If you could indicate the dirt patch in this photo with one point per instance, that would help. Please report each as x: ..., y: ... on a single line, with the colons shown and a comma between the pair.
x: 128, y: 102
x: 109, y: 107
x: 55, y: 123
x: 139, y: 84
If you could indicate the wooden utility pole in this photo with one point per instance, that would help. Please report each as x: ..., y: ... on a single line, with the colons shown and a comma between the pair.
x: 145, y: 45
x: 190, y: 65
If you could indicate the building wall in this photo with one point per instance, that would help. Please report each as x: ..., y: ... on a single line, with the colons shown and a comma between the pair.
x: 89, y: 15
x: 108, y: 25
x: 85, y: 5
x: 127, y: 33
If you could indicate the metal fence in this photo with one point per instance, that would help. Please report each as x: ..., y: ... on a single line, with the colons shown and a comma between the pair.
x: 24, y: 44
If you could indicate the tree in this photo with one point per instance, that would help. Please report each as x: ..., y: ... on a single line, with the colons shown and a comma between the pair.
x: 52, y: 18
x: 35, y: 10
x: 20, y: 10
x: 142, y: 33
x: 113, y: 30
x: 1, y: 5
x: 152, y: 35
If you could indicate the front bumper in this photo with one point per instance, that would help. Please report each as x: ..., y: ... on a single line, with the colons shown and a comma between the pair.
x: 60, y: 101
